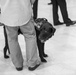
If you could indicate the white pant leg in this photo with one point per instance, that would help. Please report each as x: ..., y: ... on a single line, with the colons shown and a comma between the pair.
x: 14, y: 47
x: 31, y: 45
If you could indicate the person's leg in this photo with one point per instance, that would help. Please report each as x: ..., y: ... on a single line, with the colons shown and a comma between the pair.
x: 63, y: 7
x: 15, y: 51
x: 55, y: 11
x: 32, y: 57
x: 35, y: 9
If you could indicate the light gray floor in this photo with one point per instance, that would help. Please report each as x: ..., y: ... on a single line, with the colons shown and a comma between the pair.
x: 61, y: 48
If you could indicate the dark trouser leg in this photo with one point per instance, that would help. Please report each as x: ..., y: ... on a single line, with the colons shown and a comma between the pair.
x: 55, y: 11
x: 35, y: 8
x: 63, y: 8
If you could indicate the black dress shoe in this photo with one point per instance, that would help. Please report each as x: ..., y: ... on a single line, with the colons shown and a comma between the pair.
x: 33, y: 68
x: 70, y: 23
x: 43, y: 60
x: 58, y: 23
x: 19, y: 69
x: 45, y: 55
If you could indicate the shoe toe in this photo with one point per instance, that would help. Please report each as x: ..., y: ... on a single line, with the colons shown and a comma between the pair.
x: 70, y: 23
x: 33, y: 68
x: 73, y: 22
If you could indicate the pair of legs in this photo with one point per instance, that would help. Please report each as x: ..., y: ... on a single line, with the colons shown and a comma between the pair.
x: 28, y: 31
x: 63, y: 8
x: 39, y: 44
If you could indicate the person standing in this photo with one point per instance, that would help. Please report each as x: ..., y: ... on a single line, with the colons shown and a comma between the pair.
x: 63, y: 8
x: 17, y: 14
x: 39, y: 44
